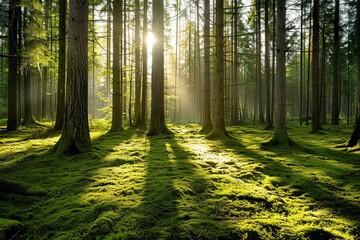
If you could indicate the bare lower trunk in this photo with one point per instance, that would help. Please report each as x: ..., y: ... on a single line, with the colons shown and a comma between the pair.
x: 60, y: 108
x: 355, y: 135
x: 75, y: 137
x: 157, y: 124
x: 206, y: 124
x: 116, y: 123
x: 28, y: 113
x: 218, y: 118
x: 13, y: 84
x: 280, y: 134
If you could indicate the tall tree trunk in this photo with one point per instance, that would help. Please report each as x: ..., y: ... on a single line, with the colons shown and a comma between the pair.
x: 273, y: 62
x: 235, y: 87
x: 13, y: 84
x: 157, y: 122
x: 145, y: 70
x: 176, y: 78
x: 137, y: 109
x: 218, y: 119
x: 75, y: 137
x: 258, y: 64
x: 355, y: 135
x: 280, y: 133
x: 45, y: 69
x: 197, y: 78
x: 28, y: 113
x: 108, y: 52
x: 93, y: 35
x: 336, y: 68
x: 301, y: 64
x: 60, y: 108
x: 116, y: 124
x: 206, y: 119
x: 315, y: 111
x: 308, y: 76
x: 323, y: 74
x: 39, y: 96
x: 269, y: 124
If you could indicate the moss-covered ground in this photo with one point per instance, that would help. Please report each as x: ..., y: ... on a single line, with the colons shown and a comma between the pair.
x: 179, y: 187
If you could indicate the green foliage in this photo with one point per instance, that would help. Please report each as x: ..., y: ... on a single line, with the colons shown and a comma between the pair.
x: 179, y: 187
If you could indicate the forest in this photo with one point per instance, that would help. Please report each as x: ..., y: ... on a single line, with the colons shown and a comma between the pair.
x: 169, y: 119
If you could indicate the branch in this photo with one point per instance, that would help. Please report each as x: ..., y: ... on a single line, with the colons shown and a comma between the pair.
x: 7, y: 56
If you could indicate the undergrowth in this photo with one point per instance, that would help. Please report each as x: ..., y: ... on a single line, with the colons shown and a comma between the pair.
x: 179, y: 187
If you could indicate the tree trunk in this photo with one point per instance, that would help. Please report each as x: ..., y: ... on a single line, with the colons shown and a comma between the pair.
x: 28, y: 113
x: 218, y: 119
x: 336, y: 68
x: 315, y: 111
x: 308, y: 76
x: 157, y: 123
x: 269, y: 124
x: 45, y: 69
x: 75, y: 137
x: 280, y: 133
x: 206, y: 119
x: 137, y: 109
x: 355, y: 135
x: 273, y: 62
x: 116, y: 124
x: 144, y: 70
x: 108, y: 52
x: 45, y: 74
x: 301, y: 64
x: 258, y: 64
x: 235, y: 87
x: 39, y: 96
x: 13, y: 84
x: 60, y: 108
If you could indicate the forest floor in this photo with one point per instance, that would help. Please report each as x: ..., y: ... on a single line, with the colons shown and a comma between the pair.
x: 179, y: 187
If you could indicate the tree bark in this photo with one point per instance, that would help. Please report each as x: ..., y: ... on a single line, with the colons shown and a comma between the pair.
x: 280, y: 136
x: 12, y: 121
x: 315, y: 111
x: 28, y: 113
x: 144, y: 70
x: 218, y: 118
x: 157, y: 122
x: 75, y: 137
x: 206, y: 123
x: 336, y: 69
x: 137, y: 109
x: 116, y: 123
x: 301, y: 64
x: 39, y: 96
x: 355, y: 135
x: 60, y: 108
x: 268, y: 120
x: 258, y: 64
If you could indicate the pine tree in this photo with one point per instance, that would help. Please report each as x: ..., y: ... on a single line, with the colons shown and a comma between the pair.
x: 75, y: 137
x: 157, y: 122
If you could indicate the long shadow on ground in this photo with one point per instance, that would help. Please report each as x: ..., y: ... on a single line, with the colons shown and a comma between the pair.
x: 300, y: 184
x: 175, y: 190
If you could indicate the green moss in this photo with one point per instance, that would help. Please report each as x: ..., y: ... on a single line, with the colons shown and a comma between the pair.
x: 9, y: 228
x: 179, y: 187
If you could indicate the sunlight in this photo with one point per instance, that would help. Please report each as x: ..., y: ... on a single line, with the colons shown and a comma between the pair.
x: 150, y: 39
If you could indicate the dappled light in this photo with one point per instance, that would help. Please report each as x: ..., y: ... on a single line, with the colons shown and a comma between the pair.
x: 133, y: 186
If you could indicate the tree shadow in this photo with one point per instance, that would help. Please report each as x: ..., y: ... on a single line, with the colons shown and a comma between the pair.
x: 51, y: 201
x: 174, y: 203
x: 299, y: 185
